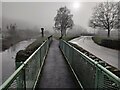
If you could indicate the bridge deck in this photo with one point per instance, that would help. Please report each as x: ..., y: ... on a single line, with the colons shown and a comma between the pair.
x: 56, y: 73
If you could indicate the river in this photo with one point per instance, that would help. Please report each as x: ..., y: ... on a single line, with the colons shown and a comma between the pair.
x: 8, y: 59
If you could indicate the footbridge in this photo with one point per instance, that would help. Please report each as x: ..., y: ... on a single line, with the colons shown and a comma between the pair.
x: 57, y: 64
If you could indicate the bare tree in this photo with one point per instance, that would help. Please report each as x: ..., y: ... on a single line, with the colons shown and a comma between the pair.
x: 105, y: 16
x: 63, y: 20
x: 118, y: 25
x: 12, y: 29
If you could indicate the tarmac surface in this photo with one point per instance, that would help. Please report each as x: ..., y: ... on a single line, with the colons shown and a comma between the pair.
x: 56, y: 73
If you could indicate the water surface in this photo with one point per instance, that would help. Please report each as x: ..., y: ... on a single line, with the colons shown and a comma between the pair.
x: 8, y: 59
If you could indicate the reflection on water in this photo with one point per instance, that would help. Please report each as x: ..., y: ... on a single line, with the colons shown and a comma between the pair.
x: 8, y: 59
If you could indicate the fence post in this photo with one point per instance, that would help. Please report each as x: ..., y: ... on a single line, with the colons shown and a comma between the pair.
x: 96, y: 78
x: 72, y: 57
x: 20, y: 78
x: 40, y: 57
x: 99, y: 80
x: 24, y: 78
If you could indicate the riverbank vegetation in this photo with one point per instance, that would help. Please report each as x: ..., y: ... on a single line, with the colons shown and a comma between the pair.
x: 12, y: 35
x: 10, y: 40
x: 107, y: 42
x: 22, y: 55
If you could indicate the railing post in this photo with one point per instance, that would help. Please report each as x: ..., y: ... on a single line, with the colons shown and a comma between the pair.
x: 99, y: 78
x: 96, y: 78
x: 21, y: 78
x: 24, y: 78
x: 40, y: 57
x: 100, y: 81
x: 21, y: 81
x: 72, y: 57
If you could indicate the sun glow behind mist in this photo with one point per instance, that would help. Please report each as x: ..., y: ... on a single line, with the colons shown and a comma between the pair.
x: 76, y: 5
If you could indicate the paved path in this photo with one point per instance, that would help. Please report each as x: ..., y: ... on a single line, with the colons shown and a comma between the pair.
x: 56, y: 73
x: 110, y: 56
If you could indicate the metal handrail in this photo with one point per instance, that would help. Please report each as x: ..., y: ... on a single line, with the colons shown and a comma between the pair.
x: 90, y: 60
x: 11, y: 79
x: 29, y: 58
x: 109, y: 74
x: 103, y: 78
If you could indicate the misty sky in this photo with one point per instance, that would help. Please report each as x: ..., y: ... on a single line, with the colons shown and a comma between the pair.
x: 0, y: 14
x: 43, y: 13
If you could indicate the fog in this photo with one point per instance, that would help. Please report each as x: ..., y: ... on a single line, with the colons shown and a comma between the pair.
x: 0, y: 15
x: 42, y: 13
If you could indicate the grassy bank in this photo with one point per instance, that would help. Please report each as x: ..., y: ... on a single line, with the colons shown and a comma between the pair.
x: 22, y: 55
x: 107, y: 42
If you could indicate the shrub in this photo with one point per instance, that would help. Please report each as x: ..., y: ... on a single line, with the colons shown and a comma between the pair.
x: 22, y: 55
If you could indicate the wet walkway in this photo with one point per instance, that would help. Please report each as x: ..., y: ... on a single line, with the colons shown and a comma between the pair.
x: 56, y: 72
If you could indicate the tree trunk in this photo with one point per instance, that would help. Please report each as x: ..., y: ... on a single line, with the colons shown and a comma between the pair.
x: 108, y: 32
x: 65, y: 32
x: 61, y: 35
x: 62, y: 32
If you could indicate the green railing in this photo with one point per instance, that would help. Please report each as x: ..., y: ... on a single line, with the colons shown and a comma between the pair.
x: 88, y: 72
x: 26, y: 76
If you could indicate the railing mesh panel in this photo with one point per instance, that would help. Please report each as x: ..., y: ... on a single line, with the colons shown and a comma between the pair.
x: 89, y: 74
x: 26, y: 73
